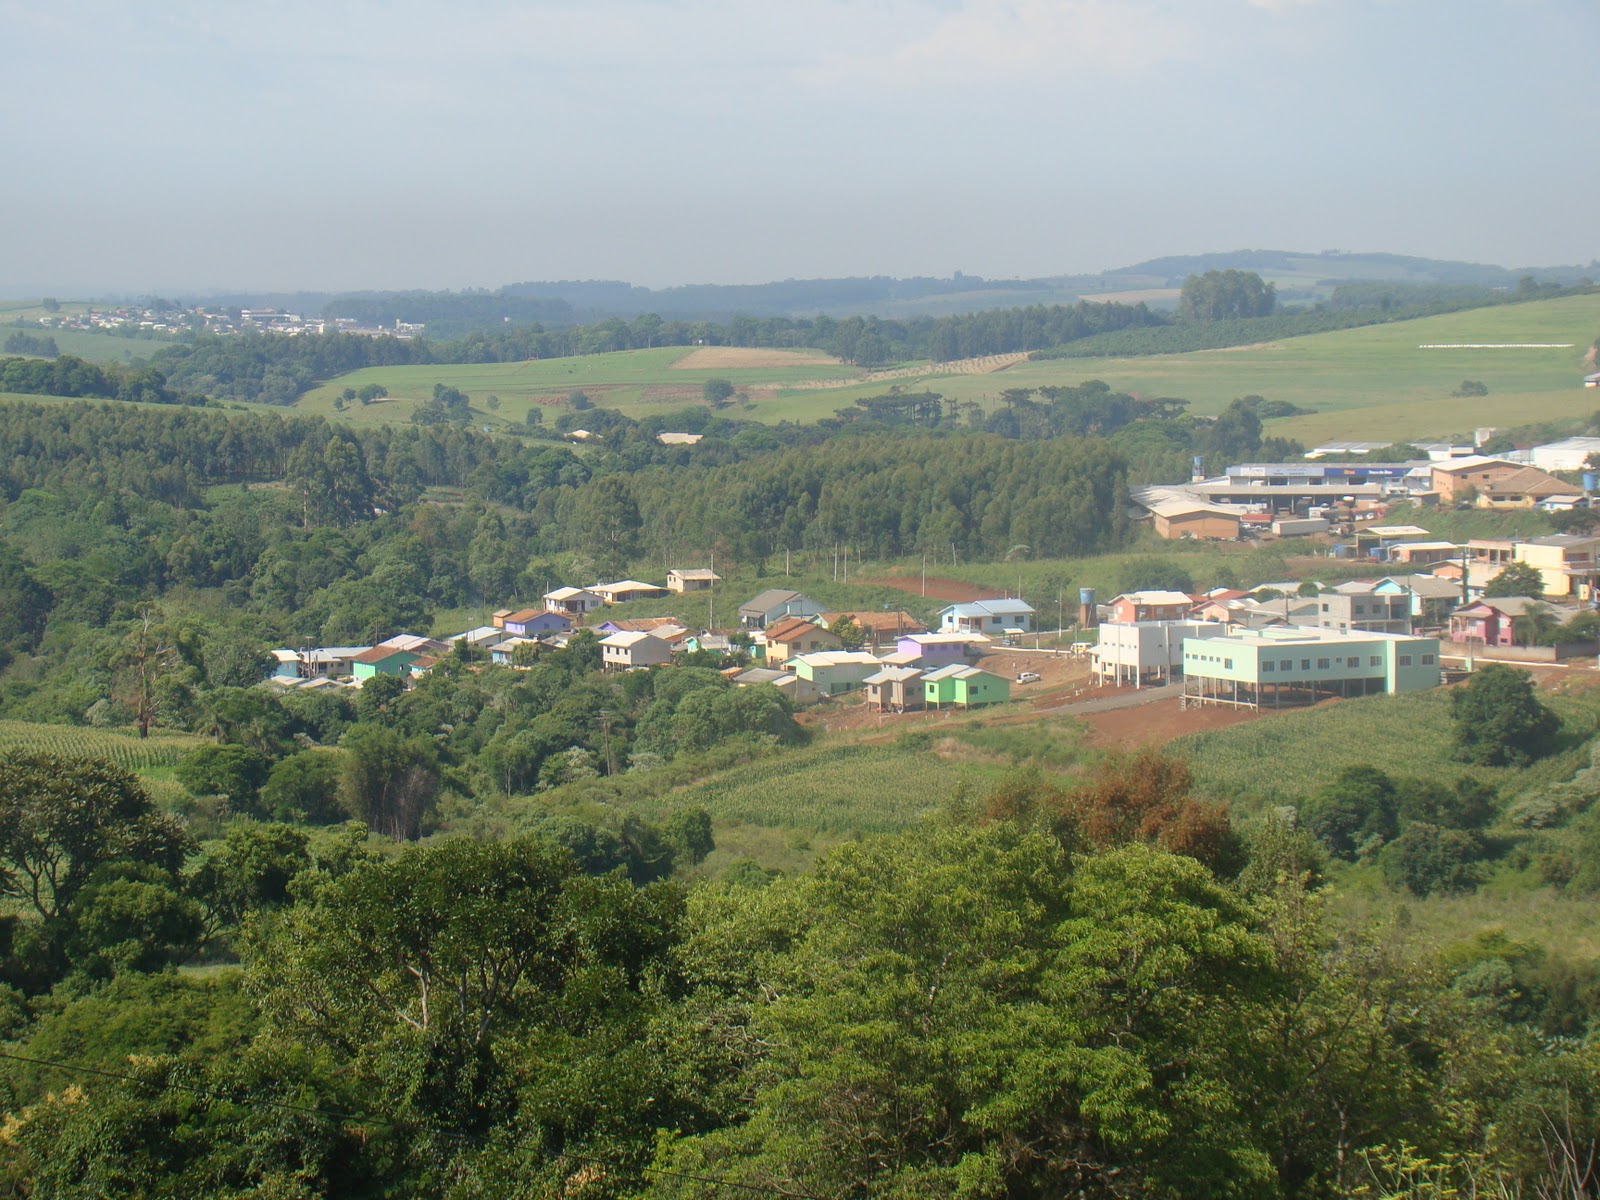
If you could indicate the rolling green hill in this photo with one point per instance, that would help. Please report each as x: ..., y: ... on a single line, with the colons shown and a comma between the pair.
x: 1373, y: 383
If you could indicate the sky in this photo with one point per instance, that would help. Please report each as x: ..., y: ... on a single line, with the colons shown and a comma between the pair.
x: 399, y: 144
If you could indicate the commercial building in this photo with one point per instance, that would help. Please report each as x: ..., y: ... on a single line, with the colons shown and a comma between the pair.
x: 1285, y: 666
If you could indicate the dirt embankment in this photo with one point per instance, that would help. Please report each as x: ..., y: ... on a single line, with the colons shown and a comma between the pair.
x: 728, y: 358
x: 952, y: 590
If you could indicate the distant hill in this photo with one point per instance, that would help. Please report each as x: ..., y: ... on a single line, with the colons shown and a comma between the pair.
x: 1301, y: 278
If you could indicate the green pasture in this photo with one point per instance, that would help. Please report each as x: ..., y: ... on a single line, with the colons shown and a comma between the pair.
x: 100, y: 348
x: 1371, y: 383
x: 639, y: 382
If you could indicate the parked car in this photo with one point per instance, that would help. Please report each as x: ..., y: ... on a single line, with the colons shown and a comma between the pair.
x: 1028, y: 677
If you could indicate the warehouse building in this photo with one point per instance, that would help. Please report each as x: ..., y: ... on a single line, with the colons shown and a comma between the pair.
x: 1285, y: 666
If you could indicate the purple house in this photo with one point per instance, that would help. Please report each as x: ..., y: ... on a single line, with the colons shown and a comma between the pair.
x: 939, y: 649
x: 531, y: 623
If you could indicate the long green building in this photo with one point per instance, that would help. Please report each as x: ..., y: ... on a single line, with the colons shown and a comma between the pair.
x: 1293, y: 665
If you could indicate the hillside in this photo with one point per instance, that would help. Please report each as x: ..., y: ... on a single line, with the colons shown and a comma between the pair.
x: 1372, y: 383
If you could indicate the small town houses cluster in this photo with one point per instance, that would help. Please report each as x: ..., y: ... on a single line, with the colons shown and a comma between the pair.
x: 1288, y: 643
x: 900, y: 666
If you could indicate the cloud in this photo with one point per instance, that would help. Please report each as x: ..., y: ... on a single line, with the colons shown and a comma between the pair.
x: 997, y: 41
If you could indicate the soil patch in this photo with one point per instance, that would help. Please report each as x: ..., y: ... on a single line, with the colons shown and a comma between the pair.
x: 953, y: 590
x: 724, y: 358
x: 1160, y: 722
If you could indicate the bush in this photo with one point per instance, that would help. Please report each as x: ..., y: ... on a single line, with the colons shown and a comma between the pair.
x: 1498, y: 719
x: 1430, y: 858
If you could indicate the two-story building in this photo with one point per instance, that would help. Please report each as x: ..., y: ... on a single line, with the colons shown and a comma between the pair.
x: 1141, y: 652
x: 794, y: 636
x: 1290, y: 665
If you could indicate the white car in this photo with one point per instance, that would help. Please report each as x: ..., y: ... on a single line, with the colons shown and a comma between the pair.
x: 1028, y: 677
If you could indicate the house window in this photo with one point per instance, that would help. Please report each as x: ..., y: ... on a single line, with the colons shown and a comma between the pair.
x: 1352, y: 662
x: 1267, y: 665
x: 1305, y: 664
x: 1324, y: 606
x: 1286, y: 664
x: 1375, y: 661
x: 1227, y: 664
x: 1427, y: 660
x: 1323, y: 664
x: 1405, y: 660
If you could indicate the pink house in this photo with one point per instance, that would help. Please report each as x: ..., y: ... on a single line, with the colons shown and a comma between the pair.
x: 1489, y: 621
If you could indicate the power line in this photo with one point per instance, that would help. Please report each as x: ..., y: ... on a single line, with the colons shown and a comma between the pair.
x: 391, y: 1122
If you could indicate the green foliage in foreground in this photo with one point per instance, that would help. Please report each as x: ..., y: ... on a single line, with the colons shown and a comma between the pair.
x: 965, y: 1010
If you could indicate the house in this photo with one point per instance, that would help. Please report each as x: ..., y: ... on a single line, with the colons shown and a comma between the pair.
x: 963, y: 687
x: 1431, y: 597
x: 499, y: 618
x: 1131, y: 607
x: 987, y: 617
x: 1141, y: 652
x: 878, y: 627
x: 625, y: 590
x: 895, y: 689
x: 692, y: 579
x: 1525, y: 488
x: 330, y: 662
x: 286, y: 665
x: 415, y: 643
x: 833, y: 672
x: 1195, y: 519
x: 1422, y: 554
x: 773, y: 605
x: 792, y: 636
x: 575, y: 602
x: 1490, y: 621
x: 625, y: 651
x: 655, y: 625
x: 504, y: 652
x: 679, y: 439
x: 1592, y: 380
x: 1569, y: 563
x: 1451, y: 479
x: 383, y: 660
x: 938, y: 649
x: 1298, y: 665
x: 531, y: 622
x: 483, y: 635
x: 797, y: 691
x: 1365, y: 610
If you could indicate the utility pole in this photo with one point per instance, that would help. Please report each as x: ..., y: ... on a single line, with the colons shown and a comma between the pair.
x: 924, y: 573
x: 711, y: 593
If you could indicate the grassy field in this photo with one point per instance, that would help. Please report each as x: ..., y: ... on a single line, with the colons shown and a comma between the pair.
x: 1283, y: 759
x: 1373, y: 383
x: 639, y: 382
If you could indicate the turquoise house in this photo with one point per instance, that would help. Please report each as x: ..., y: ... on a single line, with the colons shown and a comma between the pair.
x: 1293, y: 664
x: 383, y: 660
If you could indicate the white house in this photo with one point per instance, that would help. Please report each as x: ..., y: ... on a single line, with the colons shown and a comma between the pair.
x: 988, y: 617
x: 575, y: 602
x: 624, y: 651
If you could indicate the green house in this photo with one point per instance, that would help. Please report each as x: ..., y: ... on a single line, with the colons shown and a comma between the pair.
x: 964, y: 687
x: 383, y: 660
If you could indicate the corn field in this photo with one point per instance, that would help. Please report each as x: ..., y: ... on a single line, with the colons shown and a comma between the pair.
x: 871, y: 789
x: 163, y: 748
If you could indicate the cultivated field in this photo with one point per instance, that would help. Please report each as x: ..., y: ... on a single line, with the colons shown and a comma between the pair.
x: 1373, y: 383
x: 162, y: 749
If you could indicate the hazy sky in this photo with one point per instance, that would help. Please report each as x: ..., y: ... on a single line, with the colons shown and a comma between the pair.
x: 396, y: 144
